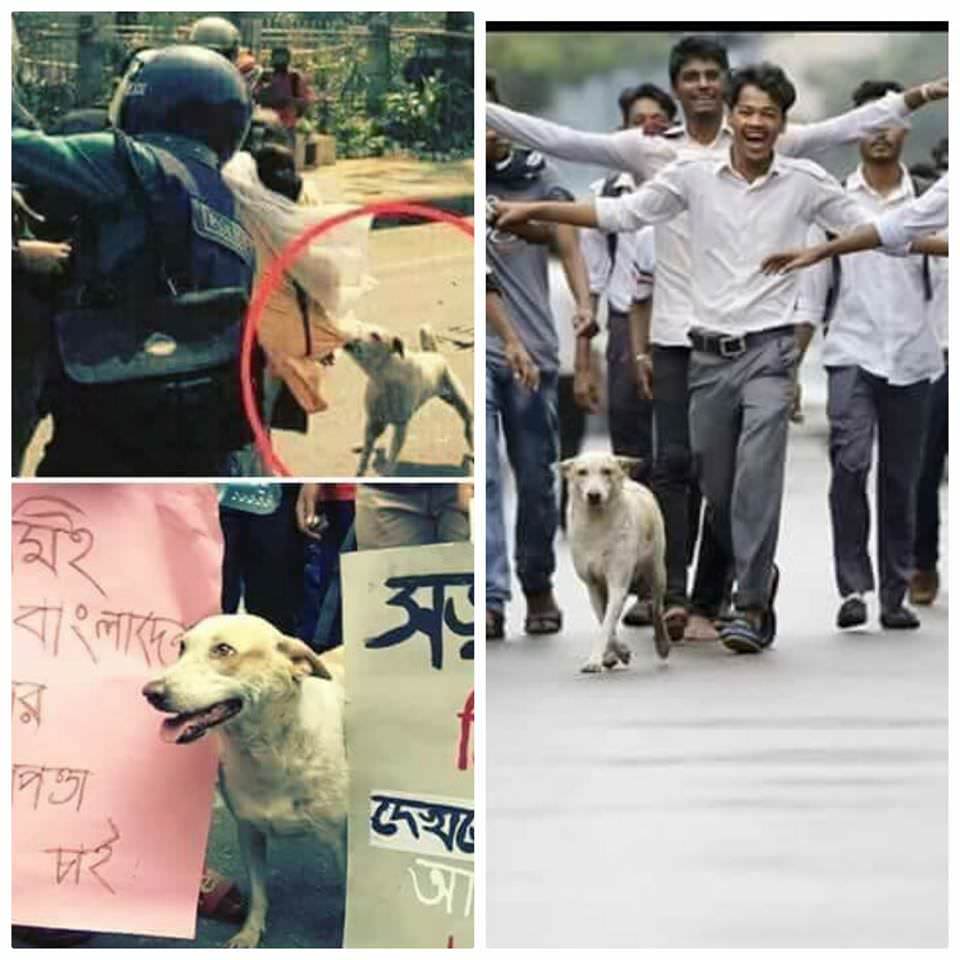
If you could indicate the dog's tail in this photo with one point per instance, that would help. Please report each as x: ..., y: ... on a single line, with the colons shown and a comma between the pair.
x: 428, y: 339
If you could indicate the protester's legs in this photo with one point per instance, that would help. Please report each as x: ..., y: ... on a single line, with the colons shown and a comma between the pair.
x: 901, y: 416
x: 529, y: 419
x: 498, y: 565
x: 765, y: 383
x: 672, y: 470
x: 630, y: 416
x: 711, y: 582
x: 927, y: 546
x: 852, y: 415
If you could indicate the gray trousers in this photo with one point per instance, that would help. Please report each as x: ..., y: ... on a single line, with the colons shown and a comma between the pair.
x: 860, y: 407
x: 739, y: 414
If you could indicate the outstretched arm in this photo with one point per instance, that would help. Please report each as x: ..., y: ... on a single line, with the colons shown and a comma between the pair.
x: 630, y: 150
x: 891, y: 110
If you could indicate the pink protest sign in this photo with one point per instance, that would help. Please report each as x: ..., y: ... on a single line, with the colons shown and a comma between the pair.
x: 109, y: 822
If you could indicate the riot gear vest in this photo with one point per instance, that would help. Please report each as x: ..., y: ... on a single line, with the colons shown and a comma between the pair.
x: 161, y: 290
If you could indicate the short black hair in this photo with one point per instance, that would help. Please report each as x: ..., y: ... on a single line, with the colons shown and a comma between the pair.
x: 940, y: 153
x: 696, y: 48
x: 767, y: 77
x: 874, y: 90
x: 277, y: 170
x: 493, y: 95
x: 652, y: 92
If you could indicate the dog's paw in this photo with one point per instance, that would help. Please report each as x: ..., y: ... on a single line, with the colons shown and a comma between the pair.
x: 592, y: 666
x: 623, y: 652
x: 245, y: 938
x: 610, y: 658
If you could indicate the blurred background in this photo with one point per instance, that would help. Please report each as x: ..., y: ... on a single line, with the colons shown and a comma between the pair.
x: 575, y: 78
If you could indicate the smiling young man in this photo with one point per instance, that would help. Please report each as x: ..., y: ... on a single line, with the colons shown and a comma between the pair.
x: 740, y: 205
x: 698, y: 68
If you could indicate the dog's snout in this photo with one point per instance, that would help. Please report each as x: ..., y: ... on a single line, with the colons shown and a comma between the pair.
x: 155, y: 691
x: 594, y: 497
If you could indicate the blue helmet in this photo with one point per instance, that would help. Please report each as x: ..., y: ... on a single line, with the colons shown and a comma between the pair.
x: 188, y: 91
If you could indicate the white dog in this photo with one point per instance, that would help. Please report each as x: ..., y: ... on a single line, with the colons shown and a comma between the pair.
x: 400, y: 382
x: 278, y: 713
x: 616, y: 535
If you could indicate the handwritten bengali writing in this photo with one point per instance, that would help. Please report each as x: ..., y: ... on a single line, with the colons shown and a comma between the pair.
x: 429, y: 620
x: 68, y: 783
x: 155, y: 638
x: 70, y: 860
x: 443, y: 879
x: 26, y: 701
x: 51, y: 533
x: 464, y: 749
x: 417, y: 820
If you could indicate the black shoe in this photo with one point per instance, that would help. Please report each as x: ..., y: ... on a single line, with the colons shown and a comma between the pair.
x: 899, y: 618
x: 640, y: 614
x: 852, y: 613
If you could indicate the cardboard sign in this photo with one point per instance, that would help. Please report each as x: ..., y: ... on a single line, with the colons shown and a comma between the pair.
x: 109, y: 822
x: 408, y: 623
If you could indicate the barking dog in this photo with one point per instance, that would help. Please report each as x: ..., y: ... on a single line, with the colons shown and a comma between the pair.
x: 278, y: 715
x: 400, y: 382
x: 616, y: 534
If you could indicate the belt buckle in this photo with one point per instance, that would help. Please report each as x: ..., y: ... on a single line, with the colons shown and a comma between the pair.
x: 731, y: 347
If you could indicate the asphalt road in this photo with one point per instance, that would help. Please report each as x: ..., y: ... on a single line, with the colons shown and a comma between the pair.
x: 796, y: 799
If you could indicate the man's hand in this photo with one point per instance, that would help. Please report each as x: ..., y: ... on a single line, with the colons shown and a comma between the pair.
x: 43, y: 259
x: 584, y: 323
x: 307, y: 519
x: 524, y: 369
x: 586, y: 392
x: 507, y: 215
x: 643, y: 368
x: 791, y: 260
x: 936, y: 90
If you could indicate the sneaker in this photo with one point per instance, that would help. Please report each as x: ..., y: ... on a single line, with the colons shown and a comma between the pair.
x: 900, y: 618
x: 852, y: 613
x: 924, y: 585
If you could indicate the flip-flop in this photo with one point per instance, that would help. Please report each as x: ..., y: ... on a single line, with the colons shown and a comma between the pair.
x: 494, y: 625
x: 740, y: 636
x: 220, y: 898
x: 640, y: 614
x: 675, y: 620
x: 540, y: 624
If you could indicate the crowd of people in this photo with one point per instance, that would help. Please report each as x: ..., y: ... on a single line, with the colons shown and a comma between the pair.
x: 138, y: 234
x: 696, y: 242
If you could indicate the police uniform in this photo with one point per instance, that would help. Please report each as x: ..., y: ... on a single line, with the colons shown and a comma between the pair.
x: 144, y: 377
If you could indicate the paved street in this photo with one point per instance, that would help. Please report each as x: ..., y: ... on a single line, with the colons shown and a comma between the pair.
x: 797, y: 798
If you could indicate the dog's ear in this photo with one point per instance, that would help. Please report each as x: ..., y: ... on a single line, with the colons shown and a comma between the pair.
x: 631, y: 465
x: 305, y: 662
x: 564, y: 467
x: 398, y: 345
x: 375, y: 336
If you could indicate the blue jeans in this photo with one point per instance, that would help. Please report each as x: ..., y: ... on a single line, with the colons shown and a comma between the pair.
x: 530, y: 428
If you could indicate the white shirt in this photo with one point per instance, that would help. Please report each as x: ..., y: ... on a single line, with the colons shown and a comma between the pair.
x: 734, y: 225
x: 927, y: 214
x: 881, y: 321
x: 627, y: 279
x: 937, y: 304
x: 645, y: 156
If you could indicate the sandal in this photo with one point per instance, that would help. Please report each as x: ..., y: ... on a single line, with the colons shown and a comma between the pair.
x: 494, y: 624
x: 675, y: 620
x: 640, y: 614
x: 540, y: 624
x: 740, y: 636
x: 220, y: 898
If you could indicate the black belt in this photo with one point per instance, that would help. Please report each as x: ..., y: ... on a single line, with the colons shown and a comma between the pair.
x: 731, y: 347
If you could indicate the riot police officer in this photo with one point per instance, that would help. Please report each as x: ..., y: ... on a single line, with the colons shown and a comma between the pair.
x: 144, y: 375
x: 216, y: 33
